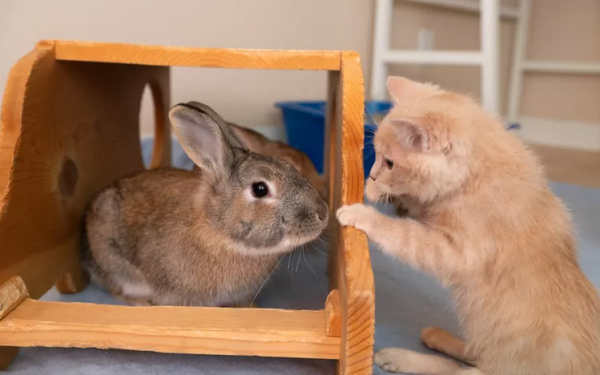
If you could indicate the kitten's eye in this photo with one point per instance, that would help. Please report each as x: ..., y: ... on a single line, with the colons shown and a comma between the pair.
x: 259, y: 190
x: 389, y: 163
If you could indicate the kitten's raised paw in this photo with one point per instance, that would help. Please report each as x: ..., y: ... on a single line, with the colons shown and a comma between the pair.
x: 356, y: 215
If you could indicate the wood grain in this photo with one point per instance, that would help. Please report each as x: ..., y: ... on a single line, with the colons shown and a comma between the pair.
x: 200, y: 57
x: 68, y: 130
x: 333, y: 314
x: 12, y: 293
x: 171, y: 329
x: 356, y: 286
x: 330, y: 160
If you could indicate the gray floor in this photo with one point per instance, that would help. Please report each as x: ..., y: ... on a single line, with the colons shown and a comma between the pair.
x: 405, y: 302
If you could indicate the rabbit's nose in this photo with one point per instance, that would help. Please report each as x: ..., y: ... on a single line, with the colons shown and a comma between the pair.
x: 323, y: 213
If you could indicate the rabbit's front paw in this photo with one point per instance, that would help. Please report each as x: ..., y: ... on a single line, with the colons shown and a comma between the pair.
x: 356, y: 215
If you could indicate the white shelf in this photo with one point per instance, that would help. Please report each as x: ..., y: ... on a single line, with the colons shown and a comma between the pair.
x: 467, y: 6
x: 561, y: 67
x: 433, y: 57
x: 487, y: 57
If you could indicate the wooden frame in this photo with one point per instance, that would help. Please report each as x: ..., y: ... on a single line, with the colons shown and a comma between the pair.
x: 65, y: 105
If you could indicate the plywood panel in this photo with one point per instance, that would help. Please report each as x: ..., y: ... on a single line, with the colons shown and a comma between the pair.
x: 201, y: 57
x: 68, y: 130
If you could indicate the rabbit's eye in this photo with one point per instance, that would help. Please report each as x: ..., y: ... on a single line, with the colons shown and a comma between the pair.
x: 260, y: 190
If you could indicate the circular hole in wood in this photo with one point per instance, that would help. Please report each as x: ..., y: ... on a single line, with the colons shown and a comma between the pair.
x: 67, y: 180
x: 151, y: 127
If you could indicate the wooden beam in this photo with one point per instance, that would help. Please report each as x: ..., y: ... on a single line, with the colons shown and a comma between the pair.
x: 12, y: 293
x: 356, y: 285
x: 333, y: 314
x: 330, y: 167
x: 171, y: 329
x: 199, y: 57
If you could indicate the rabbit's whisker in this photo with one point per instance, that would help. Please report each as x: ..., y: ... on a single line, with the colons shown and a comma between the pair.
x: 265, y: 281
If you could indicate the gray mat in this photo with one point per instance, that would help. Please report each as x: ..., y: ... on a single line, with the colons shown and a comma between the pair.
x: 406, y: 301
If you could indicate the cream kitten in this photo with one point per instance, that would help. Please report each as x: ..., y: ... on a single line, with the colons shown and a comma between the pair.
x: 484, y: 222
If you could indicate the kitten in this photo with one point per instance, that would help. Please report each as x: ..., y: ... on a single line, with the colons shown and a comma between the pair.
x: 484, y: 222
x: 260, y: 144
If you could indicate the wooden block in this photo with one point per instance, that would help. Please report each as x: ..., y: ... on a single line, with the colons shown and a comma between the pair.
x: 12, y: 293
x: 7, y: 355
x: 171, y: 329
x: 200, y: 57
x: 333, y: 314
x: 74, y: 281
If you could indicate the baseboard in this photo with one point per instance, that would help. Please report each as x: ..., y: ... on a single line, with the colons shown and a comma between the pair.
x: 578, y: 135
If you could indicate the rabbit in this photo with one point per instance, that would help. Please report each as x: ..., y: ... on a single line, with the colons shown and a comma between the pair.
x: 260, y: 144
x: 177, y: 237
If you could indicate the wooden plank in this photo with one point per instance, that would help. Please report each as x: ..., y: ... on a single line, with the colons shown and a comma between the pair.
x: 68, y: 130
x: 171, y: 329
x: 330, y: 169
x: 12, y: 293
x: 199, y: 57
x: 356, y: 285
x: 333, y: 314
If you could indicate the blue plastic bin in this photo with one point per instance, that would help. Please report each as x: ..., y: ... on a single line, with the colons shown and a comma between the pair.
x: 305, y: 128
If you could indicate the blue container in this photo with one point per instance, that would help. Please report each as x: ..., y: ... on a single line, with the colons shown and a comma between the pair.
x: 305, y: 128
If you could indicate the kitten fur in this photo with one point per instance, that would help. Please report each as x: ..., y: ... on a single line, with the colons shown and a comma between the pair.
x: 482, y: 219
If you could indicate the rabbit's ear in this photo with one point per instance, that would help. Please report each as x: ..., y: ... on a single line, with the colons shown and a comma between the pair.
x: 205, y: 137
x: 255, y: 141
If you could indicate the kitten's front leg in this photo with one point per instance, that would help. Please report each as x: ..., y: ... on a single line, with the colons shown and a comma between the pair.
x: 418, y: 245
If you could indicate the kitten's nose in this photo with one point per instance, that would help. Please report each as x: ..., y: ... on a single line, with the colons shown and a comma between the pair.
x: 372, y: 177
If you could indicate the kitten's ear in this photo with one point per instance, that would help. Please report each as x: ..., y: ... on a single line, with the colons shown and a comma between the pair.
x: 205, y: 137
x: 422, y: 135
x: 401, y: 88
x: 412, y: 135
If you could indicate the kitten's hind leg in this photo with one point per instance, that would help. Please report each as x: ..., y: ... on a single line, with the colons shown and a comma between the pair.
x: 408, y: 362
x: 444, y: 342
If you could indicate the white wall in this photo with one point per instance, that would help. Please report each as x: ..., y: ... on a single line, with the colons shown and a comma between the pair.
x: 243, y: 96
x: 559, y: 30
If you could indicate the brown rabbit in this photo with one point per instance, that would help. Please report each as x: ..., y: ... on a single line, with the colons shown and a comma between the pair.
x: 175, y: 237
x: 260, y: 144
